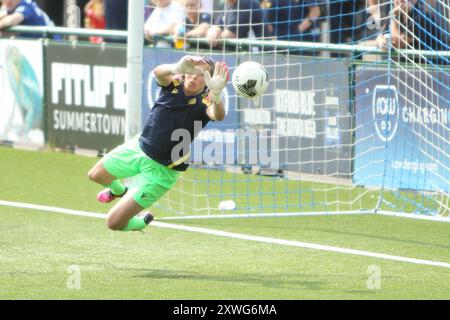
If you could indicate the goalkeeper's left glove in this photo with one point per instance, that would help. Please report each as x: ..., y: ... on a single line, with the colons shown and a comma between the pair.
x: 218, y: 82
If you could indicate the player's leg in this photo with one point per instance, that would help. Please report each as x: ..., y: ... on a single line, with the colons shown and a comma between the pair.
x: 100, y: 175
x: 154, y: 181
x: 123, y: 216
x: 115, y: 188
x: 143, y: 194
x: 122, y: 162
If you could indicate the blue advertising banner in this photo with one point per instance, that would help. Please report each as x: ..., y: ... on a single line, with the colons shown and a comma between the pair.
x: 309, y: 114
x: 402, y: 129
x: 216, y: 139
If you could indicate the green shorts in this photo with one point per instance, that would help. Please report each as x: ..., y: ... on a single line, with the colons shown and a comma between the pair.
x: 152, y: 179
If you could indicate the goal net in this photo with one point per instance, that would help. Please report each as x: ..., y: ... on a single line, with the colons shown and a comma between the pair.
x: 355, y: 119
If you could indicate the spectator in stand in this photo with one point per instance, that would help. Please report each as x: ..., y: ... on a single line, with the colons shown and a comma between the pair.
x: 54, y: 9
x: 293, y: 20
x: 442, y: 12
x: 116, y: 14
x: 347, y: 20
x: 23, y: 12
x: 266, y: 6
x: 162, y: 21
x: 116, y: 17
x: 207, y: 6
x: 378, y: 19
x: 95, y: 17
x: 415, y: 26
x: 376, y: 24
x: 240, y: 18
x: 196, y: 24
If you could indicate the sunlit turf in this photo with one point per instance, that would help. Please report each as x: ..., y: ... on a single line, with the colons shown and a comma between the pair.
x: 37, y: 248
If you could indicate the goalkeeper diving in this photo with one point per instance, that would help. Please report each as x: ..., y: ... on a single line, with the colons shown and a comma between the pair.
x: 190, y: 94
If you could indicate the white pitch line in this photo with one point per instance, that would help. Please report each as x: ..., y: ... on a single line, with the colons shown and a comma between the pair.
x: 52, y: 209
x: 232, y: 235
x: 266, y: 215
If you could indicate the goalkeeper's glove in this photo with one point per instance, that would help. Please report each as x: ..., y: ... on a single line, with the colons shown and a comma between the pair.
x: 187, y: 65
x: 218, y: 82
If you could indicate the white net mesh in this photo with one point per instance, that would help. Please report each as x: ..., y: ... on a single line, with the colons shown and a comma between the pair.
x: 347, y: 125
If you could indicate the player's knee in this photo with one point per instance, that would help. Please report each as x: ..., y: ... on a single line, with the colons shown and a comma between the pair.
x: 113, y: 225
x: 93, y: 175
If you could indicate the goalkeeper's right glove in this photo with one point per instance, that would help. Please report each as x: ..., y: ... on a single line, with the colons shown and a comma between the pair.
x: 188, y: 65
x: 218, y: 82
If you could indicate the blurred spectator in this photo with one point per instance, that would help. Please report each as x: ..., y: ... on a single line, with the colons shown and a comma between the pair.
x: 116, y: 17
x: 80, y: 4
x: 442, y: 14
x: 378, y: 18
x: 116, y: 14
x: 266, y: 6
x: 293, y: 20
x: 377, y: 25
x: 207, y: 6
x: 95, y: 17
x: 23, y: 12
x: 415, y: 25
x: 345, y: 20
x: 54, y: 9
x: 162, y: 21
x: 196, y: 24
x: 239, y: 20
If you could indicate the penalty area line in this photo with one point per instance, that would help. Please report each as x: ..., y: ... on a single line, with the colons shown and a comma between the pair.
x: 239, y: 236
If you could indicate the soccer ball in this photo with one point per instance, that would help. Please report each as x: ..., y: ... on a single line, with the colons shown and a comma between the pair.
x: 250, y: 79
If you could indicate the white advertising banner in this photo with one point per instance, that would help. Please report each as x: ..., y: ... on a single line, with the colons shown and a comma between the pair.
x: 21, y: 91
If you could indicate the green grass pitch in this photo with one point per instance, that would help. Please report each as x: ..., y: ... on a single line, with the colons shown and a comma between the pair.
x: 37, y: 248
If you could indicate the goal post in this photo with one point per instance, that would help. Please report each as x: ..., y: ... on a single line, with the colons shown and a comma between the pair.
x: 135, y: 61
x: 354, y: 125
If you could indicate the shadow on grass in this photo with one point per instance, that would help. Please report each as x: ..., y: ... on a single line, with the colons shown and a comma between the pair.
x: 278, y: 281
x: 296, y: 227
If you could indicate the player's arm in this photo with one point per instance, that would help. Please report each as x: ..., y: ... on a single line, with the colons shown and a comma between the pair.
x: 200, y: 31
x: 216, y: 84
x: 216, y: 111
x: 187, y: 65
x: 372, y: 6
x: 10, y: 20
x: 228, y: 34
x: 213, y: 35
x: 168, y: 30
x: 399, y: 38
x: 3, y: 14
x: 314, y: 13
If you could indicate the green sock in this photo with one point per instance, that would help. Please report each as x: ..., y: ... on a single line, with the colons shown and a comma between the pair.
x: 135, y: 224
x: 117, y: 188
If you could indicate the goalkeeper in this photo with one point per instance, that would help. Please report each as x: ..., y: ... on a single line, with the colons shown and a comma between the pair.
x: 190, y: 94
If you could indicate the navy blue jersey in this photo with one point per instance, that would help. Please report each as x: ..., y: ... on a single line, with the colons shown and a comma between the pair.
x: 203, y: 18
x: 241, y: 18
x: 33, y: 15
x: 172, y: 111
